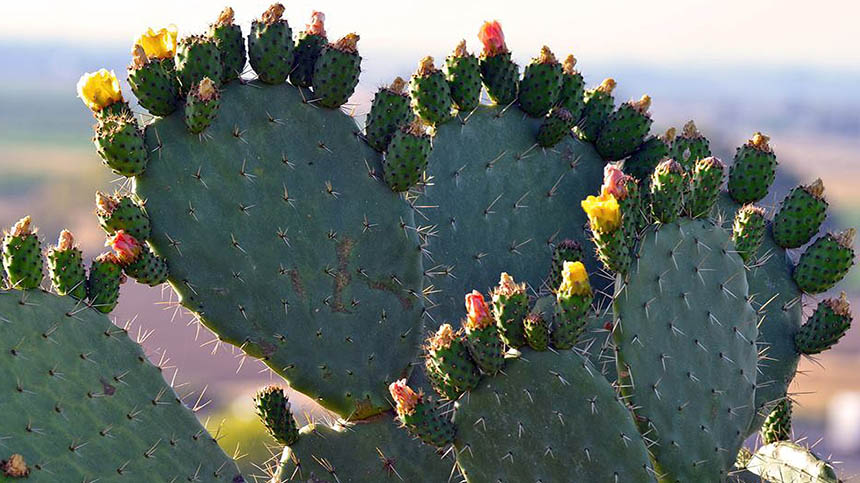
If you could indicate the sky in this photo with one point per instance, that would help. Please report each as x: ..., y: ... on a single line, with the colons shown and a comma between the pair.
x: 773, y: 33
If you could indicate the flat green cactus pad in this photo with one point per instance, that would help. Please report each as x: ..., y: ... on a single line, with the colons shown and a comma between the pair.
x: 490, y: 199
x: 548, y: 417
x: 82, y: 402
x: 283, y: 242
x: 686, y: 348
x: 371, y: 450
x: 789, y: 462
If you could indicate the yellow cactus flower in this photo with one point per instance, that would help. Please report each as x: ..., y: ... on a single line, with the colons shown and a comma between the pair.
x: 574, y: 280
x: 99, y: 89
x: 160, y: 44
x: 603, y: 213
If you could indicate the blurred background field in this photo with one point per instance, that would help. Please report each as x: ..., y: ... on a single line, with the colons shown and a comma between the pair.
x: 733, y: 67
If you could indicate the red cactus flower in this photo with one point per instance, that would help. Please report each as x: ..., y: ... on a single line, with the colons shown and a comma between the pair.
x: 126, y: 247
x: 493, y: 38
x: 477, y: 310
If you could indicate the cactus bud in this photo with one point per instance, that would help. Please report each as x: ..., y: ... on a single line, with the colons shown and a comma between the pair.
x: 424, y: 420
x: 404, y: 396
x: 273, y: 408
x: 125, y: 246
x: 748, y: 231
x: 615, y: 181
x: 478, y: 311
x: 510, y: 306
x: 493, y: 39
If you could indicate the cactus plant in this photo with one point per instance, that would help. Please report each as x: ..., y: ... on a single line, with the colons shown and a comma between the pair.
x: 786, y: 461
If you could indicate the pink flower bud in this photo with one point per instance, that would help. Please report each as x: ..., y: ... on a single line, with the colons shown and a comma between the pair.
x: 493, y: 38
x: 125, y: 246
x: 477, y: 310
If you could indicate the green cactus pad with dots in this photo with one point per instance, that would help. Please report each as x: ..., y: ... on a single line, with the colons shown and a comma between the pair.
x: 82, y: 402
x: 125, y: 213
x: 335, y: 76
x: 501, y: 77
x: 463, y: 74
x: 642, y: 162
x: 689, y: 366
x: 489, y: 199
x: 389, y: 111
x: 155, y: 86
x: 271, y: 50
x: 197, y: 57
x: 230, y: 42
x: 624, y: 131
x: 119, y: 142
x: 548, y: 417
x: 308, y: 48
x: 68, y: 276
x: 284, y: 243
x: 788, y: 462
x: 376, y: 449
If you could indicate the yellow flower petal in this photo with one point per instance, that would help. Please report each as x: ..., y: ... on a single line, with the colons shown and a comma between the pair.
x: 603, y: 213
x: 574, y: 280
x: 160, y: 44
x: 99, y: 89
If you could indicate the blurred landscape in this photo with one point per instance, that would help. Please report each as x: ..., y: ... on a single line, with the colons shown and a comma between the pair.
x: 49, y: 169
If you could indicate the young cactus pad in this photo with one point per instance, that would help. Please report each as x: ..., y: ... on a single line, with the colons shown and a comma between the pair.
x: 82, y: 401
x: 283, y: 243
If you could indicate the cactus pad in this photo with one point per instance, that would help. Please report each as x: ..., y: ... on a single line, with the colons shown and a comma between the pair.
x: 788, y: 462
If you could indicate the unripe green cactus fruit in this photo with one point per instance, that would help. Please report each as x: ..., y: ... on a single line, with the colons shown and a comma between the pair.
x: 788, y: 462
x: 753, y: 171
x: 644, y: 160
x: 103, y: 282
x: 554, y: 128
x: 825, y: 262
x: 482, y: 335
x: 541, y: 84
x: 448, y: 364
x: 119, y: 142
x: 777, y: 425
x: 572, y: 89
x: 138, y: 261
x: 230, y: 42
x: 389, y: 111
x: 273, y: 408
x: 624, y: 130
x: 22, y: 256
x: 536, y: 327
x: 690, y: 146
x: 309, y: 44
x: 431, y: 96
x: 599, y: 104
x: 706, y: 179
x: 463, y: 74
x: 626, y: 192
x: 423, y: 417
x: 668, y: 183
x: 197, y: 57
x: 831, y: 319
x: 202, y: 106
x: 65, y: 264
x: 748, y: 231
x: 510, y: 307
x: 336, y: 72
x: 800, y: 216
x: 154, y: 83
x: 573, y: 301
x: 270, y: 46
x: 566, y: 251
x: 122, y: 212
x: 85, y: 404
x: 498, y: 72
x: 406, y: 157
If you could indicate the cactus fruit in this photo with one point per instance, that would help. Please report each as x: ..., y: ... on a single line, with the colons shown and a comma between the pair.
x: 789, y: 462
x: 122, y: 212
x: 406, y: 157
x: 753, y: 171
x: 137, y: 260
x: 689, y: 368
x: 309, y: 44
x: 498, y: 72
x: 800, y: 216
x: 153, y: 81
x: 119, y: 142
x: 336, y: 72
x: 536, y: 329
x: 202, y: 106
x: 642, y: 162
x: 374, y: 449
x: 825, y: 262
x: 273, y: 408
x: 706, y: 179
x: 555, y: 127
x: 541, y: 84
x: 549, y: 417
x: 572, y: 89
x: 482, y: 336
x: 624, y: 130
x: 748, y: 231
x: 389, y: 111
x: 22, y: 256
x: 431, y: 96
x: 668, y: 184
x: 463, y: 74
x: 626, y: 191
x: 831, y: 319
x: 599, y: 104
x: 573, y: 298
x: 66, y: 266
x: 777, y: 425
x: 448, y: 364
x: 510, y: 307
x: 197, y: 57
x: 605, y: 220
x: 89, y: 405
x: 566, y: 251
x: 424, y: 419
x: 230, y: 42
x: 690, y: 146
x: 270, y: 46
x: 103, y: 282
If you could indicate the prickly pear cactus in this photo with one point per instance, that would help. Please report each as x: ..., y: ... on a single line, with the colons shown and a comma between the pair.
x: 788, y: 462
x: 82, y: 401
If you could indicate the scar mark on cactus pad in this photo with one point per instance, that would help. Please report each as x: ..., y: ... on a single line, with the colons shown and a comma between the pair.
x: 296, y: 280
x: 341, y: 276
x: 388, y: 285
x: 107, y: 389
